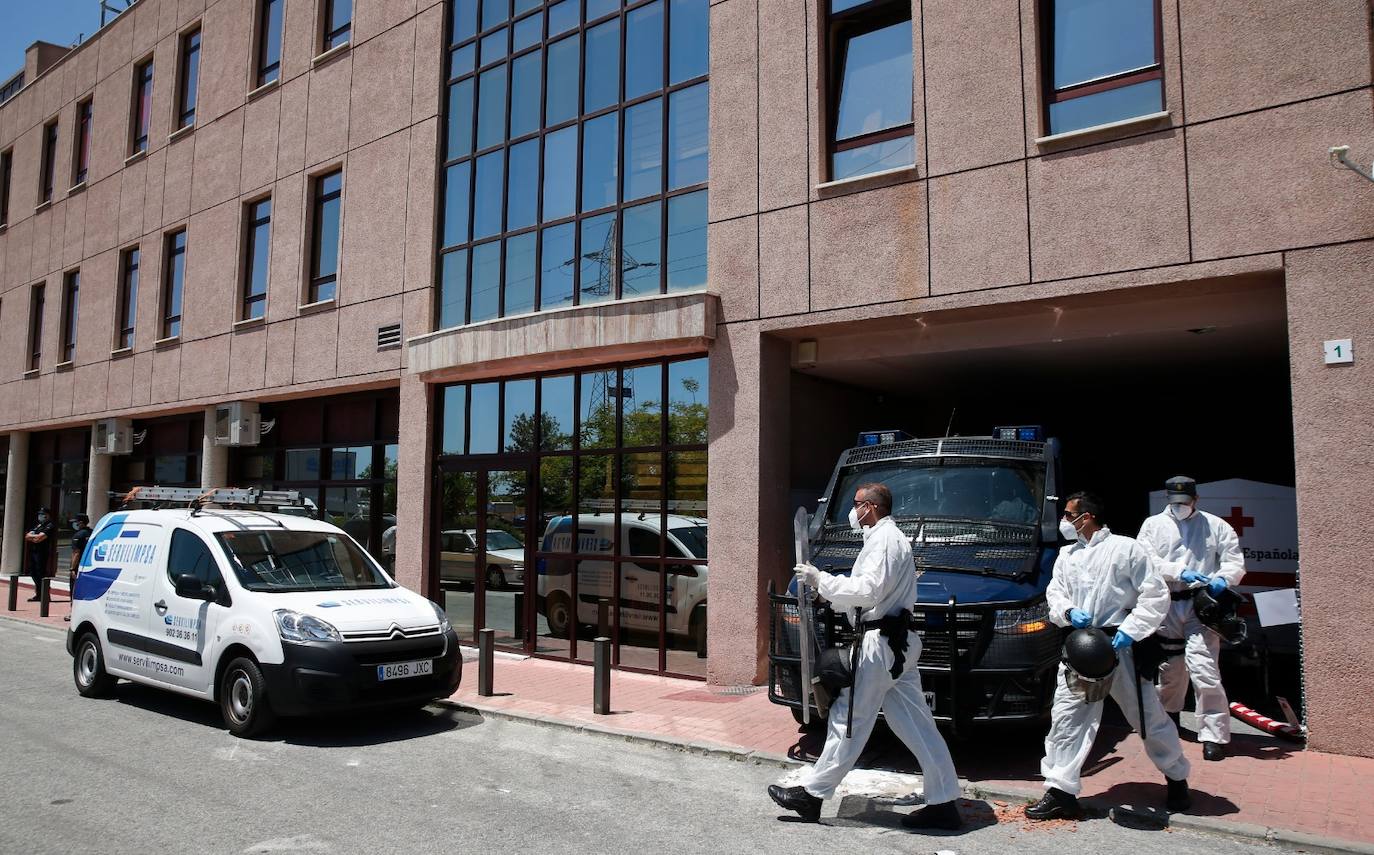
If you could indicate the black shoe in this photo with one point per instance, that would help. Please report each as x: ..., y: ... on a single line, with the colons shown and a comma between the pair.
x: 1178, y: 799
x: 943, y: 816
x: 1055, y: 804
x: 798, y: 799
x: 34, y: 599
x: 1213, y: 751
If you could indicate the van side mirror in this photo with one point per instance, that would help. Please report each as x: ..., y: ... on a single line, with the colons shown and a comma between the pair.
x: 192, y: 588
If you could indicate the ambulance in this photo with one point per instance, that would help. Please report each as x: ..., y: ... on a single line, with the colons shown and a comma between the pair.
x: 264, y: 613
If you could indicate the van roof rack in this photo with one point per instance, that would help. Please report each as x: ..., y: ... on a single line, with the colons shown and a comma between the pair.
x: 195, y: 498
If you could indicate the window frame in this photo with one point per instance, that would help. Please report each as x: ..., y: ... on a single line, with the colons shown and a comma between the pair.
x: 141, y: 119
x: 170, y: 285
x: 314, y: 280
x: 265, y: 72
x: 247, y: 301
x: 36, y: 311
x: 185, y: 115
x: 840, y: 28
x: 6, y: 183
x: 81, y: 151
x: 1050, y: 95
x: 339, y: 36
x: 71, y: 295
x: 47, y: 175
x: 126, y: 299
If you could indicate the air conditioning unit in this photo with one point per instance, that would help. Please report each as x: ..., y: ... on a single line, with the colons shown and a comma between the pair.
x: 237, y: 423
x: 113, y: 436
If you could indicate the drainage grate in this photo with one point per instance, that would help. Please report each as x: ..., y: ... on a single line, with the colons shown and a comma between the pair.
x: 389, y: 337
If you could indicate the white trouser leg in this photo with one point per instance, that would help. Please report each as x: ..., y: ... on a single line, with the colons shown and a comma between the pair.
x: 840, y: 754
x: 910, y: 718
x: 1073, y: 727
x: 1161, y: 737
x: 1213, y: 709
x: 1173, y: 674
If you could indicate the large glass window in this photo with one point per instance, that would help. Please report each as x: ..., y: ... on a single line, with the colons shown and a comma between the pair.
x: 173, y: 283
x: 127, y: 308
x: 36, y: 303
x: 871, y: 88
x: 188, y: 81
x: 71, y: 295
x: 587, y: 112
x: 143, y: 106
x: 81, y: 159
x: 269, y: 41
x: 604, y: 471
x: 324, y: 250
x: 257, y: 253
x: 1104, y: 61
x: 49, y: 165
x: 338, y: 23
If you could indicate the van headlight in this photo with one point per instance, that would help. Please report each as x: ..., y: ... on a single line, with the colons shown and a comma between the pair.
x: 294, y: 626
x: 444, y: 625
x: 1025, y: 621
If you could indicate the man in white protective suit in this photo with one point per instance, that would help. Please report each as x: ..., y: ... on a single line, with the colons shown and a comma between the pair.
x: 1194, y: 549
x: 883, y: 585
x: 1108, y: 582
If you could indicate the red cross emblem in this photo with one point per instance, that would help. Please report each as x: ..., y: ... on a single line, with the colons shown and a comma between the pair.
x: 1239, y: 521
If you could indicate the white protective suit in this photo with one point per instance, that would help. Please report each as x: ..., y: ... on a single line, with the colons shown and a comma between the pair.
x: 882, y: 583
x: 1113, y: 579
x: 1206, y: 543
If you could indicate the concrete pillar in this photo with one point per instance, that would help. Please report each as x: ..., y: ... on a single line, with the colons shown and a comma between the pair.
x: 414, y: 478
x: 98, y: 483
x: 16, y: 492
x: 214, y: 459
x: 1333, y: 438
x: 751, y: 532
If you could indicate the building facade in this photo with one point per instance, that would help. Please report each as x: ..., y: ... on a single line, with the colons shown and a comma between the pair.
x: 523, y: 291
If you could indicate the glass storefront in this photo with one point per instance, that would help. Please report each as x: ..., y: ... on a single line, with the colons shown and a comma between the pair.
x: 595, y: 481
x: 340, y: 454
x: 58, y: 463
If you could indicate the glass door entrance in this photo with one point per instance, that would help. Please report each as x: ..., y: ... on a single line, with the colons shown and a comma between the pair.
x: 483, y: 553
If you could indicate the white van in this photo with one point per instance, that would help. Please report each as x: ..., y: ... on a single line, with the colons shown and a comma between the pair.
x: 264, y: 613
x: 684, y: 584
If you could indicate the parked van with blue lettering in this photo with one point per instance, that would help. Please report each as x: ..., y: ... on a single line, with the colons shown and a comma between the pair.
x: 265, y: 614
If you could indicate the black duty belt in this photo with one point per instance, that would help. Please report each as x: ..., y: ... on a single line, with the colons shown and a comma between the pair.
x: 1185, y: 594
x: 894, y: 628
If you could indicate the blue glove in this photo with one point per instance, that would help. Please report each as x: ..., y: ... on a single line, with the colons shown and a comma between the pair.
x: 1192, y: 576
x: 1080, y: 618
x: 1121, y: 641
x: 1217, y: 585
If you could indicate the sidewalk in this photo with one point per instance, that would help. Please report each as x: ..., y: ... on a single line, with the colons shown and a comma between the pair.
x: 1265, y: 788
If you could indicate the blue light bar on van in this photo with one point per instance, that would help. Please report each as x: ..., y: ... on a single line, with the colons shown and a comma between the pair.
x: 882, y: 437
x: 1022, y: 433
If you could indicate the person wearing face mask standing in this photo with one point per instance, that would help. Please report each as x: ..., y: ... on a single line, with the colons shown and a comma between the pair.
x: 39, y: 540
x: 1194, y: 549
x: 1109, y: 582
x: 882, y: 585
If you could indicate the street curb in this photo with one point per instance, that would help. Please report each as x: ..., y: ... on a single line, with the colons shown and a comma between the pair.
x: 1291, y: 840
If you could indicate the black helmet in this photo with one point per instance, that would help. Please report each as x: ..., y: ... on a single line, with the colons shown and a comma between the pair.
x: 1089, y: 653
x: 1217, y: 612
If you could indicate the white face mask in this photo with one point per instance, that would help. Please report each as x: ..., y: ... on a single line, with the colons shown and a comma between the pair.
x: 1067, y: 530
x: 854, y: 520
x: 1180, y: 510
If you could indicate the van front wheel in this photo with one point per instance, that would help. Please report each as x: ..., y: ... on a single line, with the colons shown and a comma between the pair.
x: 88, y: 669
x: 243, y: 699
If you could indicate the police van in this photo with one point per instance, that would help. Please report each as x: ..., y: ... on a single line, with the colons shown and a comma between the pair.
x: 264, y: 613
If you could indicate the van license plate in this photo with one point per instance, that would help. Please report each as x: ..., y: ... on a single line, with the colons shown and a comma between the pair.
x: 398, y: 670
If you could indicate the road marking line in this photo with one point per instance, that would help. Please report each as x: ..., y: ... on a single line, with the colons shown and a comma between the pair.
x: 49, y: 640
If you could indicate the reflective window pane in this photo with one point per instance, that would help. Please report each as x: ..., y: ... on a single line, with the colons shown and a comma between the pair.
x: 528, y: 31
x: 689, y: 39
x: 1094, y: 38
x: 597, y: 408
x: 641, y: 501
x: 454, y: 432
x: 303, y: 464
x: 602, y: 86
x: 875, y: 89
x: 493, y: 47
x: 518, y: 416
x: 485, y: 426
x: 556, y: 405
x: 524, y: 94
x: 350, y: 463
x: 599, y: 176
x: 687, y: 241
x: 644, y: 149
x: 491, y: 107
x: 459, y: 119
x: 687, y: 137
x: 486, y: 212
x: 522, y: 189
x: 598, y: 259
x: 560, y: 98
x: 464, y: 20
x: 556, y: 266
x: 520, y: 264
x: 494, y: 12
x: 462, y: 61
x: 563, y: 17
x: 560, y: 174
x: 688, y: 396
x: 1110, y: 105
x: 453, y: 289
x: 523, y: 6
x: 876, y: 157
x: 486, y: 281
x: 686, y: 489
x: 644, y: 50
x: 641, y: 394
x: 600, y: 8
x: 457, y: 182
x: 640, y: 263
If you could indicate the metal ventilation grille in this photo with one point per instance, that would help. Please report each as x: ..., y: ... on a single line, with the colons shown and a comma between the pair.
x: 389, y: 337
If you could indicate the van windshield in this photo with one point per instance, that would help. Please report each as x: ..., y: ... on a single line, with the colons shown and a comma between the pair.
x: 285, y: 561
x: 979, y: 491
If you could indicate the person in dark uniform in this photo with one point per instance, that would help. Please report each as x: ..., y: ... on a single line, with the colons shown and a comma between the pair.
x: 81, y: 532
x: 40, y: 540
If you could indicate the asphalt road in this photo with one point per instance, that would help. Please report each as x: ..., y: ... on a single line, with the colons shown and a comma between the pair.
x: 146, y: 772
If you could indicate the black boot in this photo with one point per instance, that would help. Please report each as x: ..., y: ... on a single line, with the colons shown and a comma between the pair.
x: 1055, y: 804
x: 1213, y: 751
x: 798, y: 799
x: 943, y: 816
x: 1178, y: 725
x: 1178, y: 799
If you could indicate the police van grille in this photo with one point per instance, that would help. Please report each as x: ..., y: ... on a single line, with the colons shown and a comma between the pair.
x: 984, y: 447
x: 933, y: 627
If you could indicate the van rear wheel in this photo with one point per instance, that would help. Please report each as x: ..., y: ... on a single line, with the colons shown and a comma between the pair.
x: 243, y: 698
x: 496, y: 580
x: 559, y: 615
x: 88, y: 668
